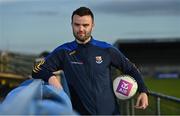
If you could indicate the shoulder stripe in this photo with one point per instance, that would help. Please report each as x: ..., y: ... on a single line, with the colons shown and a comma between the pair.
x: 67, y: 46
x: 101, y: 44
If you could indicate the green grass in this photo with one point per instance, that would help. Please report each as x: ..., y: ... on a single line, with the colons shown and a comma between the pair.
x: 170, y: 87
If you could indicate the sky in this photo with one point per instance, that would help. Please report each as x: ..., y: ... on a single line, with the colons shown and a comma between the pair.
x: 33, y: 26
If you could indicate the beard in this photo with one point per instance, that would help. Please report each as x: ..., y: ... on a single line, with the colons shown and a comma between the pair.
x: 82, y: 38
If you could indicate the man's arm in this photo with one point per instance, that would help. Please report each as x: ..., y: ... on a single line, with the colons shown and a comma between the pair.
x: 122, y: 63
x: 46, y: 67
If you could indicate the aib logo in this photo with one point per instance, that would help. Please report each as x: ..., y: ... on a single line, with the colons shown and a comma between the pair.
x: 124, y: 87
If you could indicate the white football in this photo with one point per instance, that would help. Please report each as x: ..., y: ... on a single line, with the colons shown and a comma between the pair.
x: 125, y: 87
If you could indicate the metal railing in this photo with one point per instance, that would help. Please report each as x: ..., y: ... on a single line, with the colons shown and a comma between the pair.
x: 157, y: 105
x: 160, y: 96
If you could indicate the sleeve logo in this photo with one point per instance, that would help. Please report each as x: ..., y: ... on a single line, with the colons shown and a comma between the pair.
x: 37, y: 67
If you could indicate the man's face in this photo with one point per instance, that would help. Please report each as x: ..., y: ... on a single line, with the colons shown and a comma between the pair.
x: 82, y: 27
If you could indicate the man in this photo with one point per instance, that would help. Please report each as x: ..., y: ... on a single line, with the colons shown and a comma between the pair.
x: 86, y: 64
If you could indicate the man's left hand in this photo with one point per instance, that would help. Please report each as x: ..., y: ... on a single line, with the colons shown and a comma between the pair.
x: 142, y: 101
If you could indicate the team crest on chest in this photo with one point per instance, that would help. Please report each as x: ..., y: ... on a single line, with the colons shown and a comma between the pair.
x: 99, y: 59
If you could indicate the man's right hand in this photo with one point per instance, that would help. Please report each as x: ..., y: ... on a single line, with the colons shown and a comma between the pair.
x: 55, y: 82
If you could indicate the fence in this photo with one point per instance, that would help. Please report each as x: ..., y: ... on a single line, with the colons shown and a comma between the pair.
x: 159, y: 104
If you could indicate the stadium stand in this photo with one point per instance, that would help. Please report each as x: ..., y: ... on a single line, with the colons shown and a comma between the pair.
x: 154, y: 57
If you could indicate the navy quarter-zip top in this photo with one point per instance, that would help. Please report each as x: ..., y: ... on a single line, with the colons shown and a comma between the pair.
x: 87, y: 70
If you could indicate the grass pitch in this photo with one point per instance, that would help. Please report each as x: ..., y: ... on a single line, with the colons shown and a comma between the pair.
x: 170, y: 87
